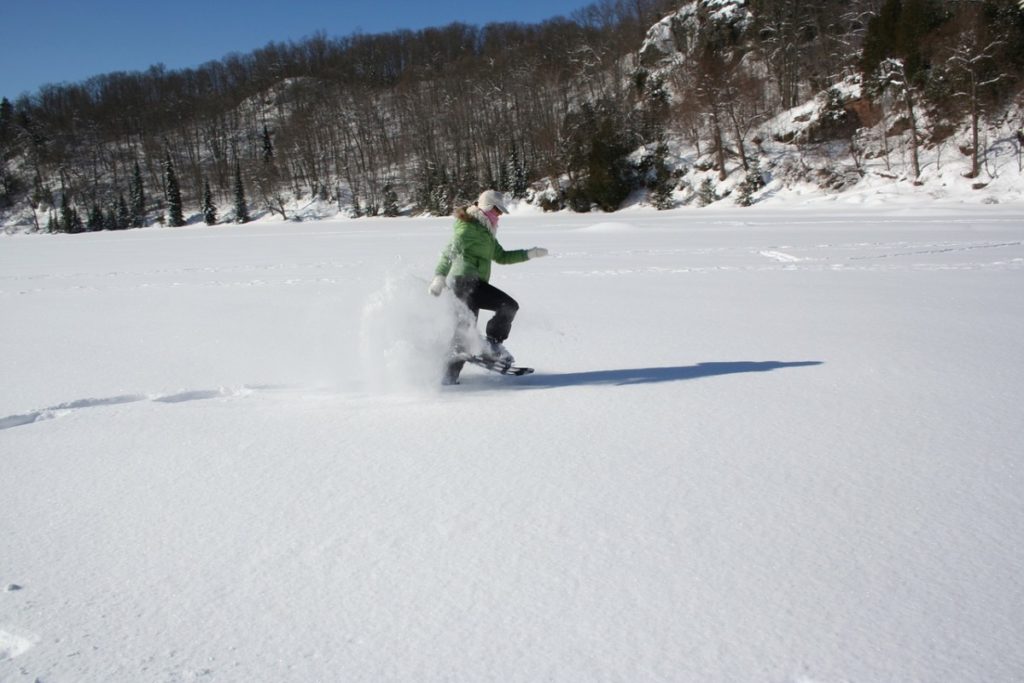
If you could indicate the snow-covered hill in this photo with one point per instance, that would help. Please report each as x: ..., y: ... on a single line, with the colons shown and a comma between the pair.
x: 760, y: 445
x: 839, y: 144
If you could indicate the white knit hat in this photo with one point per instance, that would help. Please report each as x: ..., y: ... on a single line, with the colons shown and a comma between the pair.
x: 491, y: 199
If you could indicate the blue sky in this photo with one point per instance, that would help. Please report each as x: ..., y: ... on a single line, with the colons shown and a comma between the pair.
x: 56, y: 41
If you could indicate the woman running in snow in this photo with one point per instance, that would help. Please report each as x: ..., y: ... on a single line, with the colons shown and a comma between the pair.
x: 467, y: 259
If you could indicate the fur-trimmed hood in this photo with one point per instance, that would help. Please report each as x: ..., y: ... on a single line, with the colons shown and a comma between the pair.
x: 476, y: 214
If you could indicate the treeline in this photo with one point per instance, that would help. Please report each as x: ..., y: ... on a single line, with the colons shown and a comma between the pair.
x: 365, y: 121
x: 428, y: 118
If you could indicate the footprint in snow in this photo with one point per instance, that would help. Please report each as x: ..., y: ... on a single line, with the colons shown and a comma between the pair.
x: 183, y: 397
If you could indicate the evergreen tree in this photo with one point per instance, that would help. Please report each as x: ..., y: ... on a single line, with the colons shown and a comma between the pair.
x: 176, y: 216
x: 124, y: 215
x: 69, y: 221
x: 598, y: 139
x: 515, y: 175
x: 6, y: 117
x: 95, y: 221
x: 66, y: 220
x: 706, y: 193
x: 752, y: 182
x: 110, y: 219
x: 442, y: 201
x: 435, y: 195
x: 137, y: 199
x: 654, y: 109
x: 662, y: 185
x: 76, y: 222
x: 209, y: 208
x: 390, y: 201
x: 9, y: 185
x: 241, y: 206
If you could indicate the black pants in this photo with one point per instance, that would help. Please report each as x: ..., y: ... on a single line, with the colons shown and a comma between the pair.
x: 477, y: 296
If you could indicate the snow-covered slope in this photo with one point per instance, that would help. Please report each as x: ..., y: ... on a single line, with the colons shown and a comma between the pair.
x: 854, y: 147
x: 759, y: 445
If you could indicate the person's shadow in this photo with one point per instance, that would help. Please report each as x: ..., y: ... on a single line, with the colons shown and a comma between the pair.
x: 654, y: 375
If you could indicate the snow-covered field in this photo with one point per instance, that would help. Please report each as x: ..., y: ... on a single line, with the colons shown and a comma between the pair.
x: 760, y: 445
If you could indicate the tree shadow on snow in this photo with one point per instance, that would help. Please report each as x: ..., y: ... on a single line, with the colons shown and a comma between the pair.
x: 654, y: 375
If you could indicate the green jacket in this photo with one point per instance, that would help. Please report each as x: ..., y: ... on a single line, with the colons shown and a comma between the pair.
x: 472, y: 248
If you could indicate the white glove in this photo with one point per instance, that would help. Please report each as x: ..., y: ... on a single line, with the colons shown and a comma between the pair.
x: 437, y: 285
x: 536, y: 252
